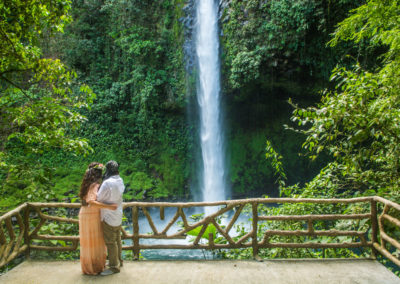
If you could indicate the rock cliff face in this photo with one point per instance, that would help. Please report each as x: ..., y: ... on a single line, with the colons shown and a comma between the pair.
x: 188, y: 22
x: 223, y: 6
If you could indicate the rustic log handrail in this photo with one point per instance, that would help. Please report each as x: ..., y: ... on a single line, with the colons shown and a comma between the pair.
x: 12, y: 242
x: 20, y: 228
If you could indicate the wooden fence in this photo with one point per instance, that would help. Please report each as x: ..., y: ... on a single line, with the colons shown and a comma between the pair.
x: 21, y: 230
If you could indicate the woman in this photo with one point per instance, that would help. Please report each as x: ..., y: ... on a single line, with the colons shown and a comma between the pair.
x: 93, y: 249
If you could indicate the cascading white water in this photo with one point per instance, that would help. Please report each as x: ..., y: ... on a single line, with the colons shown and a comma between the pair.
x: 213, y: 184
x: 208, y: 95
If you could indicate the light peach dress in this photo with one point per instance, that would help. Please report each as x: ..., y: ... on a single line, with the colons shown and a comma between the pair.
x: 93, y: 248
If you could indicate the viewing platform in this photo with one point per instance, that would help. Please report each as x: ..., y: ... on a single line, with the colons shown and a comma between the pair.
x: 304, y: 271
x: 369, y: 228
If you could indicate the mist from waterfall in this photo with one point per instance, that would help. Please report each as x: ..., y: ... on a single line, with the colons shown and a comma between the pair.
x: 213, y: 185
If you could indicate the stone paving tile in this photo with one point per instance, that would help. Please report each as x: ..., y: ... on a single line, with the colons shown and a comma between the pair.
x: 206, y: 272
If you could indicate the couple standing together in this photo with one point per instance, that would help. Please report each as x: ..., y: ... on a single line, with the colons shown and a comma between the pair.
x: 100, y: 219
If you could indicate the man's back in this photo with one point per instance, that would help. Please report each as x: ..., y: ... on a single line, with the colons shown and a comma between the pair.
x: 111, y: 191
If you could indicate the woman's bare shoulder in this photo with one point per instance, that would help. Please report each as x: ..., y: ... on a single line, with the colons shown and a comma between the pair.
x: 94, y: 186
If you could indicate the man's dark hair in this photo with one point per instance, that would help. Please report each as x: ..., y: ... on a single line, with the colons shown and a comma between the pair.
x: 111, y: 169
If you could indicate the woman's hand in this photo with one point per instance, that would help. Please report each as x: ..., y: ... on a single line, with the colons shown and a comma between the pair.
x: 101, y: 205
x: 113, y: 206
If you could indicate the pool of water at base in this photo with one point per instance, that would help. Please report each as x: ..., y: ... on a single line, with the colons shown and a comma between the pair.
x: 175, y: 254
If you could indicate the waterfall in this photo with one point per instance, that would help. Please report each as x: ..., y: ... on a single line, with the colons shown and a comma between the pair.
x: 213, y: 183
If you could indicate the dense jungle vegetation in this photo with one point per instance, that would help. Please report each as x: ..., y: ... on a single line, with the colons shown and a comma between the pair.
x: 310, y: 93
x: 99, y: 80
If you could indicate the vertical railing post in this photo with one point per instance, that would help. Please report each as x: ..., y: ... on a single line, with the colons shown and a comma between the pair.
x: 380, y: 225
x: 135, y: 234
x: 255, y: 229
x: 27, y: 240
x: 374, y: 225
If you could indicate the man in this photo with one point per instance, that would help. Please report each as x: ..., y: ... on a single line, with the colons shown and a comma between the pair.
x: 111, y: 191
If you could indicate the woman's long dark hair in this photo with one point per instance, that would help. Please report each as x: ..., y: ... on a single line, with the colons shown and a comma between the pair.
x: 92, y: 175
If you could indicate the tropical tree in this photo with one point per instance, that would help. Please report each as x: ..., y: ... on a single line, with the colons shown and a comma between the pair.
x: 39, y: 96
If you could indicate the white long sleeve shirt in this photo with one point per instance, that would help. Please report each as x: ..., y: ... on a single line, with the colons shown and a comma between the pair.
x: 111, y: 191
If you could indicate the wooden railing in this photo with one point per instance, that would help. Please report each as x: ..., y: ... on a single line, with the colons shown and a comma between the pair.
x: 26, y: 227
x: 384, y: 237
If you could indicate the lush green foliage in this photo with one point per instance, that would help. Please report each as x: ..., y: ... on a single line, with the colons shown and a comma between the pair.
x: 131, y: 54
x: 39, y: 98
x: 251, y: 174
x: 272, y: 51
x: 276, y: 163
x: 358, y: 122
x: 279, y: 39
